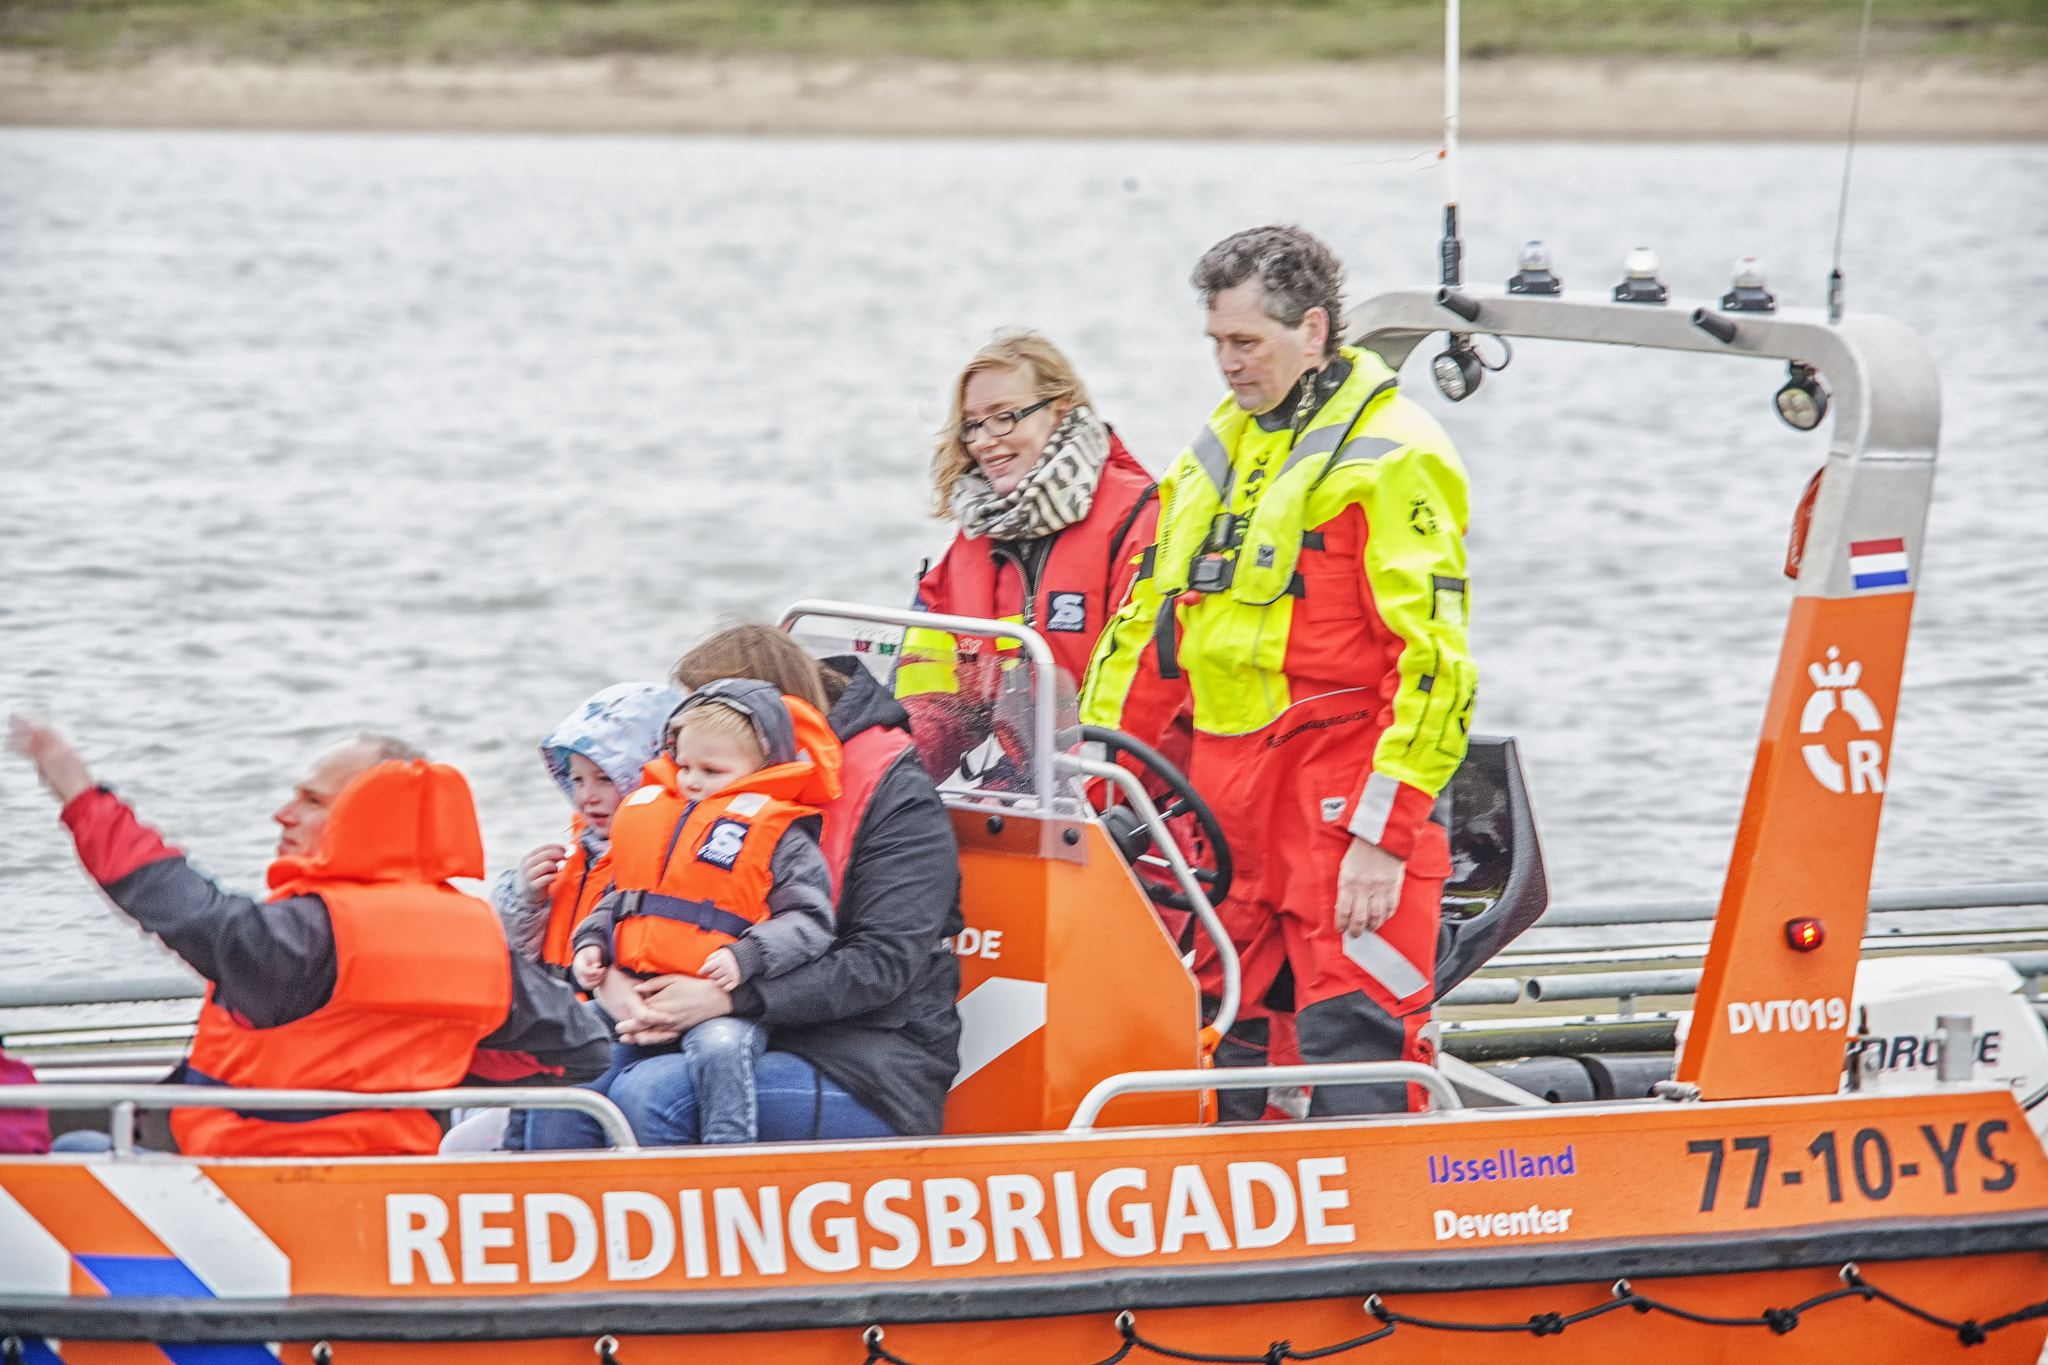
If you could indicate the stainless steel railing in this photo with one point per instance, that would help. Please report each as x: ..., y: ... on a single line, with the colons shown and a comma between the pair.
x: 124, y: 1100
x: 1443, y: 1094
x: 2025, y: 948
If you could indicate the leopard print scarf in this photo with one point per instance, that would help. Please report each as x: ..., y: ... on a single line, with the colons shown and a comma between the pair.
x: 1057, y: 492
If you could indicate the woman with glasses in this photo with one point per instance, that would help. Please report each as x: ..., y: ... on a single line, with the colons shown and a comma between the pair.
x: 1053, y: 513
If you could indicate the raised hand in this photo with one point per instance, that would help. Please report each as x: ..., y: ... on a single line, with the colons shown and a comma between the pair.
x: 57, y: 763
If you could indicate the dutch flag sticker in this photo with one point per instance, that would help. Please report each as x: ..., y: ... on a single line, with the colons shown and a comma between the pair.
x: 1878, y: 563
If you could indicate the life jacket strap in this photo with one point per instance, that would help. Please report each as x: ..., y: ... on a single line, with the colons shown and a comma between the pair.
x: 1163, y: 640
x: 703, y: 914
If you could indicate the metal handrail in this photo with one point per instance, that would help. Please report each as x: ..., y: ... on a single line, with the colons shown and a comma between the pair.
x: 1044, y: 680
x: 1611, y: 985
x: 1443, y: 1094
x: 124, y: 1100
x: 32, y: 994
x: 1988, y: 897
x: 1162, y: 839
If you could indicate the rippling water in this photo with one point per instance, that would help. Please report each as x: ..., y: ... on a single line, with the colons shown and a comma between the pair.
x: 300, y: 433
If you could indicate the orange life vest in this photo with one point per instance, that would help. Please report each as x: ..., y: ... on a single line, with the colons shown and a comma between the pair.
x: 691, y: 877
x: 422, y: 974
x: 579, y: 885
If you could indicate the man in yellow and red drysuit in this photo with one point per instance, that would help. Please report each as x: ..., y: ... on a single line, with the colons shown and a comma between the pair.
x: 1307, y: 595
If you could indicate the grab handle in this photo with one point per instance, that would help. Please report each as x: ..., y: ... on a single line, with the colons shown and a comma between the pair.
x: 1441, y: 1091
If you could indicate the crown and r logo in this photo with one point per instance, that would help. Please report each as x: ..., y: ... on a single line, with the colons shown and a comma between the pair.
x: 1835, y: 687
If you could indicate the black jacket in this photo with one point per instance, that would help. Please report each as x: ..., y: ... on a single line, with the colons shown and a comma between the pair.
x: 876, y: 1012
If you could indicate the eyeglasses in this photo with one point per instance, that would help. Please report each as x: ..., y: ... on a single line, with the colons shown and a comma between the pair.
x: 997, y: 424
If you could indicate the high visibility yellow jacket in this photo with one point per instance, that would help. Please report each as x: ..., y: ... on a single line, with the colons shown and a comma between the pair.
x: 1350, y: 573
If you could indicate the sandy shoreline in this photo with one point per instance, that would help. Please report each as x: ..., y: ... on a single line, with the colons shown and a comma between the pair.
x: 1504, y: 99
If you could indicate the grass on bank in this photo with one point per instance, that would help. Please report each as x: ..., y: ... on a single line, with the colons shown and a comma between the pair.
x: 1157, y: 31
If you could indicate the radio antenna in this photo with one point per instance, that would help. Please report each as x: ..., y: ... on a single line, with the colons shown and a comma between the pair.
x: 1453, y: 250
x: 1848, y: 158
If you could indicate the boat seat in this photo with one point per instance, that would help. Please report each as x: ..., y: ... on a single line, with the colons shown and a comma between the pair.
x: 1497, y: 887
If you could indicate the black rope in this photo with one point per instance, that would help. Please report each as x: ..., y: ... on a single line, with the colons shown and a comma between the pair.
x: 1777, y: 1321
x: 607, y: 1347
x: 11, y: 1350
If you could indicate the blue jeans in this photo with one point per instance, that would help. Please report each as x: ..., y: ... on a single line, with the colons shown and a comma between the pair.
x: 719, y: 1055
x: 794, y: 1102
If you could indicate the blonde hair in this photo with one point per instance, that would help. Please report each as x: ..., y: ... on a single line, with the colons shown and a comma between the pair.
x: 716, y: 718
x: 1052, y: 376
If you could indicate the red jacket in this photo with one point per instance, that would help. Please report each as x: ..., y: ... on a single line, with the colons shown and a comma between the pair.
x: 1086, y: 574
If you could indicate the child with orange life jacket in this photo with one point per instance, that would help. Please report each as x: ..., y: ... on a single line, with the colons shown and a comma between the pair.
x: 595, y: 756
x: 717, y: 873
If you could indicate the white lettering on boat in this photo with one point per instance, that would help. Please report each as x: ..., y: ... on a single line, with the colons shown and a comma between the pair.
x: 942, y: 1221
x: 1788, y: 1016
x: 1530, y: 1222
x: 973, y: 942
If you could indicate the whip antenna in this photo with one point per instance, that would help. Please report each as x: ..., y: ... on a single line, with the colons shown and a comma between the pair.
x: 1453, y: 250
x: 1848, y: 157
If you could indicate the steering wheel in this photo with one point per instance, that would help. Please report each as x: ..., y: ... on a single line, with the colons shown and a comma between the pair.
x: 1203, y: 845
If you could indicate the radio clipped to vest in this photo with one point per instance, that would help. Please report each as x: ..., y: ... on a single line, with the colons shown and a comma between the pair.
x: 1216, y: 564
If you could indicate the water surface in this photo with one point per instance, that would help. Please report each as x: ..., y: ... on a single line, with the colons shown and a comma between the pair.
x: 300, y: 433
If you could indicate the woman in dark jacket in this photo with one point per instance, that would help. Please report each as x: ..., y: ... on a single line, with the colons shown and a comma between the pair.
x: 864, y: 1041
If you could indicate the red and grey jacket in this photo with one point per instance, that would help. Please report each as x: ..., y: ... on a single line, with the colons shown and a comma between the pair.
x: 739, y: 868
x: 274, y: 964
x: 1065, y: 586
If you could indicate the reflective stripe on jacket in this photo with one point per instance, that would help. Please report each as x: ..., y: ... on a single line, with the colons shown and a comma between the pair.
x: 1350, y: 573
x: 1086, y: 575
x: 422, y: 974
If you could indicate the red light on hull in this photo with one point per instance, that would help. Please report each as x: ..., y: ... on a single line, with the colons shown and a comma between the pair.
x: 1805, y: 934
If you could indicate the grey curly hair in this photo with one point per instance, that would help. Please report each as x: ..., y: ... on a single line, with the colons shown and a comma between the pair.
x: 1296, y: 272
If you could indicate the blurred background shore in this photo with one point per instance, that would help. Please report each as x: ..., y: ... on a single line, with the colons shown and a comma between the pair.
x: 1537, y: 69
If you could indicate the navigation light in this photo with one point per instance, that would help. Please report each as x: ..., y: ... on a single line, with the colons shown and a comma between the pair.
x: 1458, y: 370
x: 1747, y: 293
x: 1805, y: 934
x: 1533, y: 274
x: 1804, y: 399
x: 1641, y: 284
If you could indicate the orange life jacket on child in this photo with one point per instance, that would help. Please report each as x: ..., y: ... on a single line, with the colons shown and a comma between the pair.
x: 579, y: 884
x: 689, y: 878
x: 422, y: 975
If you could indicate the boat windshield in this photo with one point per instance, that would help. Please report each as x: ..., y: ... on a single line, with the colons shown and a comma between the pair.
x: 973, y: 701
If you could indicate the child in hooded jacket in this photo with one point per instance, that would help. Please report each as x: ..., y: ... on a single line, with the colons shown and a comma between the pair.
x: 717, y: 873
x: 595, y: 756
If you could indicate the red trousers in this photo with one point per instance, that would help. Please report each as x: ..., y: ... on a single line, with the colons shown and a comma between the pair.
x: 1283, y: 795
